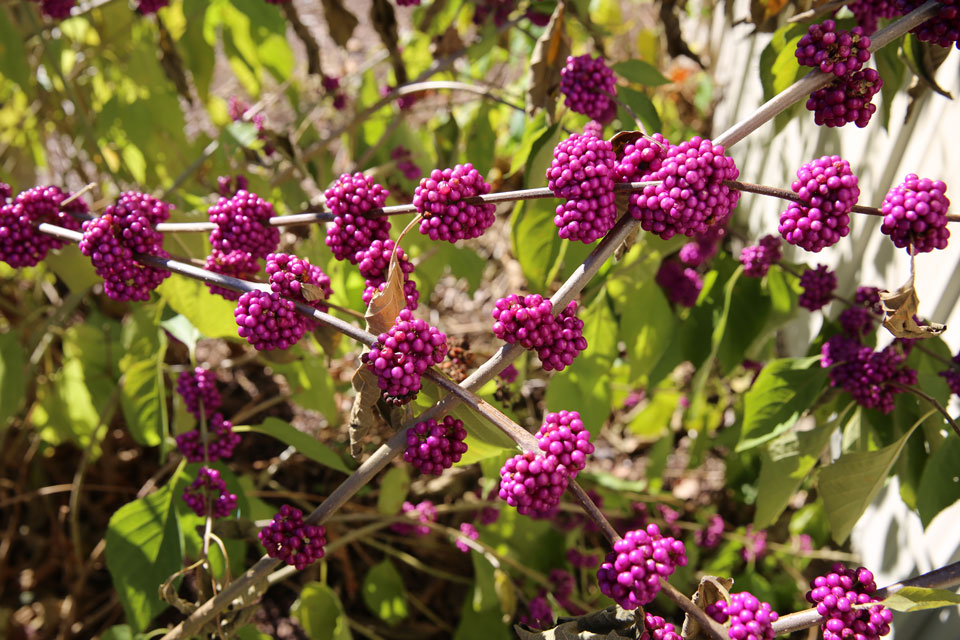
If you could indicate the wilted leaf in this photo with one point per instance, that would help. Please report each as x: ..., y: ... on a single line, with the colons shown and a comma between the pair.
x: 340, y: 22
x: 549, y: 56
x: 900, y: 310
x: 386, y: 305
x: 362, y: 416
x: 621, y: 139
x: 924, y: 59
x: 711, y: 591
x: 611, y: 623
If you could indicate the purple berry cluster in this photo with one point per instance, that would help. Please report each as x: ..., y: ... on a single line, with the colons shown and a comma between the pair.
x: 704, y: 246
x: 127, y: 227
x: 857, y: 321
x: 641, y: 158
x: 469, y: 532
x: 434, y: 446
x: 835, y: 596
x: 868, y: 11
x: 915, y: 214
x: 749, y: 618
x: 405, y: 164
x: 871, y: 377
x: 423, y: 512
x: 589, y: 84
x: 220, y: 444
x: 235, y: 264
x: 756, y: 259
x: 710, y: 536
x: 526, y: 321
x: 846, y: 99
x: 952, y: 375
x: 227, y: 187
x: 828, y: 190
x: 832, y: 51
x: 289, y: 538
x: 146, y: 7
x: 199, y: 388
x: 583, y: 174
x: 21, y: 244
x: 581, y: 560
x: 559, y: 352
x: 374, y: 264
x: 509, y: 374
x: 209, y: 489
x: 268, y: 321
x: 295, y: 278
x: 681, y: 284
x: 539, y: 614
x: 659, y: 629
x: 631, y: 573
x: 439, y: 199
x: 818, y: 286
x: 243, y: 224
x: 350, y: 199
x: 533, y: 483
x: 943, y: 29
x: 401, y: 355
x: 869, y: 297
x: 56, y: 9
x: 6, y: 192
x: 692, y: 195
x: 408, y: 3
x: 563, y: 436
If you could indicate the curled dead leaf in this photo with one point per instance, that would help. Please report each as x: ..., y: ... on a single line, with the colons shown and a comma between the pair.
x: 549, y: 55
x: 900, y: 311
x: 386, y: 305
x: 362, y: 416
x: 711, y: 590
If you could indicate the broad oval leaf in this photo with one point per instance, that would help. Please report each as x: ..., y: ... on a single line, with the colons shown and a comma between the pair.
x: 320, y: 613
x: 302, y: 442
x: 383, y: 592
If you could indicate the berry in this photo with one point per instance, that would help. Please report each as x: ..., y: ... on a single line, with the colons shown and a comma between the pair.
x: 829, y: 190
x: 199, y: 387
x: 21, y: 244
x: 681, y: 285
x: 953, y: 375
x: 220, y: 444
x: 710, y: 536
x: 943, y: 29
x: 871, y: 377
x: 408, y: 3
x: 846, y: 99
x: 243, y: 224
x: 209, y: 484
x: 405, y: 165
x: 289, y: 538
x: 500, y: 9
x: 692, y: 195
x: 582, y: 172
x: 468, y: 531
x: 867, y: 11
x: 146, y: 7
x: 915, y: 214
x: 835, y: 595
x: 631, y: 573
x: 641, y: 158
x: 268, y: 321
x: 869, y: 297
x: 832, y: 51
x: 818, y: 286
x: 533, y: 483
x: 588, y: 84
x: 295, y: 278
x: 749, y: 618
x: 756, y: 259
x: 857, y: 321
x: 6, y: 192
x: 703, y: 247
x: 57, y: 9
x: 754, y: 544
x: 374, y: 263
x: 568, y: 341
x: 527, y: 321
x: 581, y: 560
x: 236, y: 264
x: 563, y: 436
x: 439, y: 199
x: 593, y: 128
x: 509, y: 374
x: 539, y: 613
x: 228, y: 187
x: 433, y: 447
x: 423, y: 512
x: 659, y: 629
x: 350, y: 199
x: 401, y: 355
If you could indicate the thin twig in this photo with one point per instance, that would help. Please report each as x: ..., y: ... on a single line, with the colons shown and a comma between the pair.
x: 824, y: 8
x: 933, y: 401
x: 707, y: 624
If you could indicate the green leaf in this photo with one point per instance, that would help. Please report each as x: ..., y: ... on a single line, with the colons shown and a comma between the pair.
x: 311, y: 383
x: 74, y: 268
x: 144, y: 546
x: 320, y: 613
x: 183, y: 330
x: 654, y: 419
x: 383, y: 592
x: 640, y: 72
x: 482, y: 140
x: 250, y: 632
x: 120, y: 632
x: 12, y: 381
x: 784, y: 389
x: 940, y: 482
x: 533, y: 132
x: 143, y: 396
x: 242, y: 133
x: 302, y: 442
x: 919, y: 598
x: 209, y: 313
x: 393, y: 490
x: 643, y: 107
x: 13, y: 55
x: 534, y: 239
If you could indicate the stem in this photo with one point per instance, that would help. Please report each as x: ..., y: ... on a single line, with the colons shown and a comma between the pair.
x: 933, y: 401
x: 707, y: 624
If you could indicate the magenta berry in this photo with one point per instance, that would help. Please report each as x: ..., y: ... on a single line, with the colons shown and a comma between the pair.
x: 228, y: 187
x: 710, y: 536
x: 533, y: 483
x: 835, y: 595
x: 756, y: 259
x: 915, y: 214
x: 681, y: 285
x: 408, y: 3
x: 857, y: 321
x: 749, y: 618
x: 220, y: 444
x: 818, y: 286
x: 236, y: 264
x: 209, y: 489
x: 641, y: 158
x: 295, y: 278
x: 846, y: 99
x: 566, y: 344
x: 499, y: 9
x: 952, y: 375
x: 527, y: 321
x: 943, y: 29
x: 873, y: 378
x: 868, y: 11
x: 147, y: 7
x: 21, y: 244
x: 243, y: 224
x: 539, y: 613
x: 374, y: 263
x: 705, y: 246
x: 439, y: 199
x: 659, y: 629
x: 563, y: 436
x: 57, y: 9
x: 199, y: 387
x: 268, y: 321
x: 582, y: 173
x: 350, y: 200
x: 423, y: 512
x: 401, y: 355
x: 469, y: 532
x: 405, y: 165
x: 6, y: 192
x: 434, y: 446
x: 589, y: 86
x: 631, y: 573
x: 289, y: 538
x: 869, y: 297
x: 829, y: 190
x: 832, y: 51
x: 509, y: 374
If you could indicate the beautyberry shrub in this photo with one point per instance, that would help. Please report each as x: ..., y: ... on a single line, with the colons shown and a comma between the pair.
x: 434, y: 446
x: 915, y: 214
x: 350, y: 200
x: 631, y: 573
x: 208, y: 485
x: 832, y: 51
x: 402, y: 355
x: 582, y: 173
x: 268, y: 321
x: 588, y: 85
x: 289, y: 538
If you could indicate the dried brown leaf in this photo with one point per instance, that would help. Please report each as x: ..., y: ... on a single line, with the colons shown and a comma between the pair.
x: 340, y: 22
x: 385, y: 305
x: 900, y: 310
x: 447, y: 43
x: 312, y: 293
x: 385, y: 23
x: 549, y: 56
x: 710, y: 591
x: 612, y: 623
x: 329, y: 338
x: 362, y: 416
x: 622, y: 138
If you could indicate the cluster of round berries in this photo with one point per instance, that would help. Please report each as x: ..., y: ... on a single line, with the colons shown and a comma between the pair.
x: 756, y: 259
x: 199, y: 388
x: 943, y: 29
x: 434, y: 446
x: 242, y: 236
x: 405, y: 164
x: 836, y: 595
x: 151, y: 6
x: 125, y: 228
x: 268, y: 321
x: 439, y: 199
x: 209, y: 485
x: 235, y: 264
x: 423, y: 512
x: 295, y: 278
x: 529, y: 322
x: 873, y: 378
x: 832, y: 51
x: 828, y: 190
x: 469, y: 532
x: 56, y: 9
x: 659, y: 629
x: 590, y: 87
x: 868, y: 11
x: 220, y: 443
x: 857, y: 321
x: 641, y: 158
x: 710, y: 536
x: 952, y: 375
x: 703, y: 247
x: 408, y: 3
x: 681, y: 284
x: 631, y: 573
x: 331, y: 84
x: 869, y: 297
x: 350, y: 199
x: 818, y: 286
x: 402, y: 355
x: 915, y: 214
x: 21, y: 244
x: 846, y: 99
x: 228, y: 187
x: 582, y: 173
x: 289, y: 538
x: 563, y: 436
x: 374, y: 264
x: 692, y: 194
x: 749, y: 618
x: 560, y: 352
x: 539, y: 613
